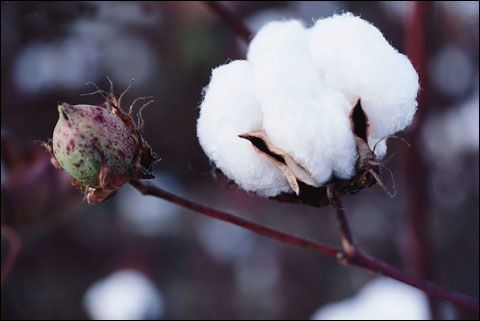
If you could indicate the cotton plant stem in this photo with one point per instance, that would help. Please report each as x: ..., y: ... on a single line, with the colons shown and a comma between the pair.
x: 358, y: 258
x: 346, y: 236
x: 230, y: 19
x: 348, y: 243
x: 148, y: 189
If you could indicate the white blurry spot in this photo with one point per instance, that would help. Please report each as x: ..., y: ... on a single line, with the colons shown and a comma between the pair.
x: 226, y: 244
x: 456, y: 131
x: 150, y: 216
x: 64, y: 64
x: 124, y: 295
x: 380, y: 299
x: 452, y: 71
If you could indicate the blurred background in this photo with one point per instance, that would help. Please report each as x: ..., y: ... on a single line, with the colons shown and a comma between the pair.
x: 138, y: 257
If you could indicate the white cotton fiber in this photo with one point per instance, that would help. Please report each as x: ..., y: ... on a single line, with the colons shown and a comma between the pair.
x: 302, y: 116
x: 228, y: 110
x: 300, y: 85
x: 357, y: 60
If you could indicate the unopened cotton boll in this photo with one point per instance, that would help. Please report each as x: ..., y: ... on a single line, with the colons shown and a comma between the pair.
x: 302, y: 116
x: 355, y: 58
x: 228, y: 110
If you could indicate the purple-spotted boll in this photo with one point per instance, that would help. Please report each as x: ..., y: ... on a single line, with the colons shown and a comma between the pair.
x: 88, y: 137
x: 100, y: 147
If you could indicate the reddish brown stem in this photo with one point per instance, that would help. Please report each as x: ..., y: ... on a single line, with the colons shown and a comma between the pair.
x: 231, y: 20
x: 348, y: 244
x: 148, y: 189
x: 417, y: 253
x: 346, y: 235
x: 417, y: 250
x: 357, y: 258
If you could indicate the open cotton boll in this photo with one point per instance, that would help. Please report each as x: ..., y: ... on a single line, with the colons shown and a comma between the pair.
x: 301, y: 116
x: 355, y: 58
x: 229, y: 109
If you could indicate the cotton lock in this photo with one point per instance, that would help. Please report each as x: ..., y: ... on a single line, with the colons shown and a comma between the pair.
x: 298, y: 87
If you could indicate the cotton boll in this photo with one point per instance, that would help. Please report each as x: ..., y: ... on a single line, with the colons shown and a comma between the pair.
x: 301, y: 116
x: 355, y: 58
x: 229, y: 109
x: 298, y: 88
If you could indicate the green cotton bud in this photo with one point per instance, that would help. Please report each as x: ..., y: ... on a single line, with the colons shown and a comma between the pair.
x: 88, y: 137
x: 100, y: 147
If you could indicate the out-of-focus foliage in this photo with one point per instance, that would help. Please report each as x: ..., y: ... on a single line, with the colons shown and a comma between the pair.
x: 197, y: 267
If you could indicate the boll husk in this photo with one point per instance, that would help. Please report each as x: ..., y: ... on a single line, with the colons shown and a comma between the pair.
x: 309, y: 109
x: 88, y: 137
x: 100, y: 147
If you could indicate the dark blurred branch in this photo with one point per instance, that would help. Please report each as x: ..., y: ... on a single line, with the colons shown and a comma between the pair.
x: 357, y: 258
x: 230, y: 19
x: 15, y: 245
x: 417, y: 249
x: 417, y: 242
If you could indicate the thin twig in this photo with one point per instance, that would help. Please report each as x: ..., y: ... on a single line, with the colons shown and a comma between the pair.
x: 231, y: 20
x: 346, y: 235
x: 359, y: 258
x: 348, y: 244
x: 148, y: 189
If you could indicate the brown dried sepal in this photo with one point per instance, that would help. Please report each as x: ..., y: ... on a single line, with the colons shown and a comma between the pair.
x: 96, y: 195
x: 49, y: 148
x: 93, y: 195
x: 306, y: 190
x: 293, y: 172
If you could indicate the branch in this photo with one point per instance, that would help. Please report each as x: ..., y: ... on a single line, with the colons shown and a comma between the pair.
x: 148, y: 189
x: 358, y: 258
x: 416, y: 246
x: 231, y: 20
x: 346, y: 236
